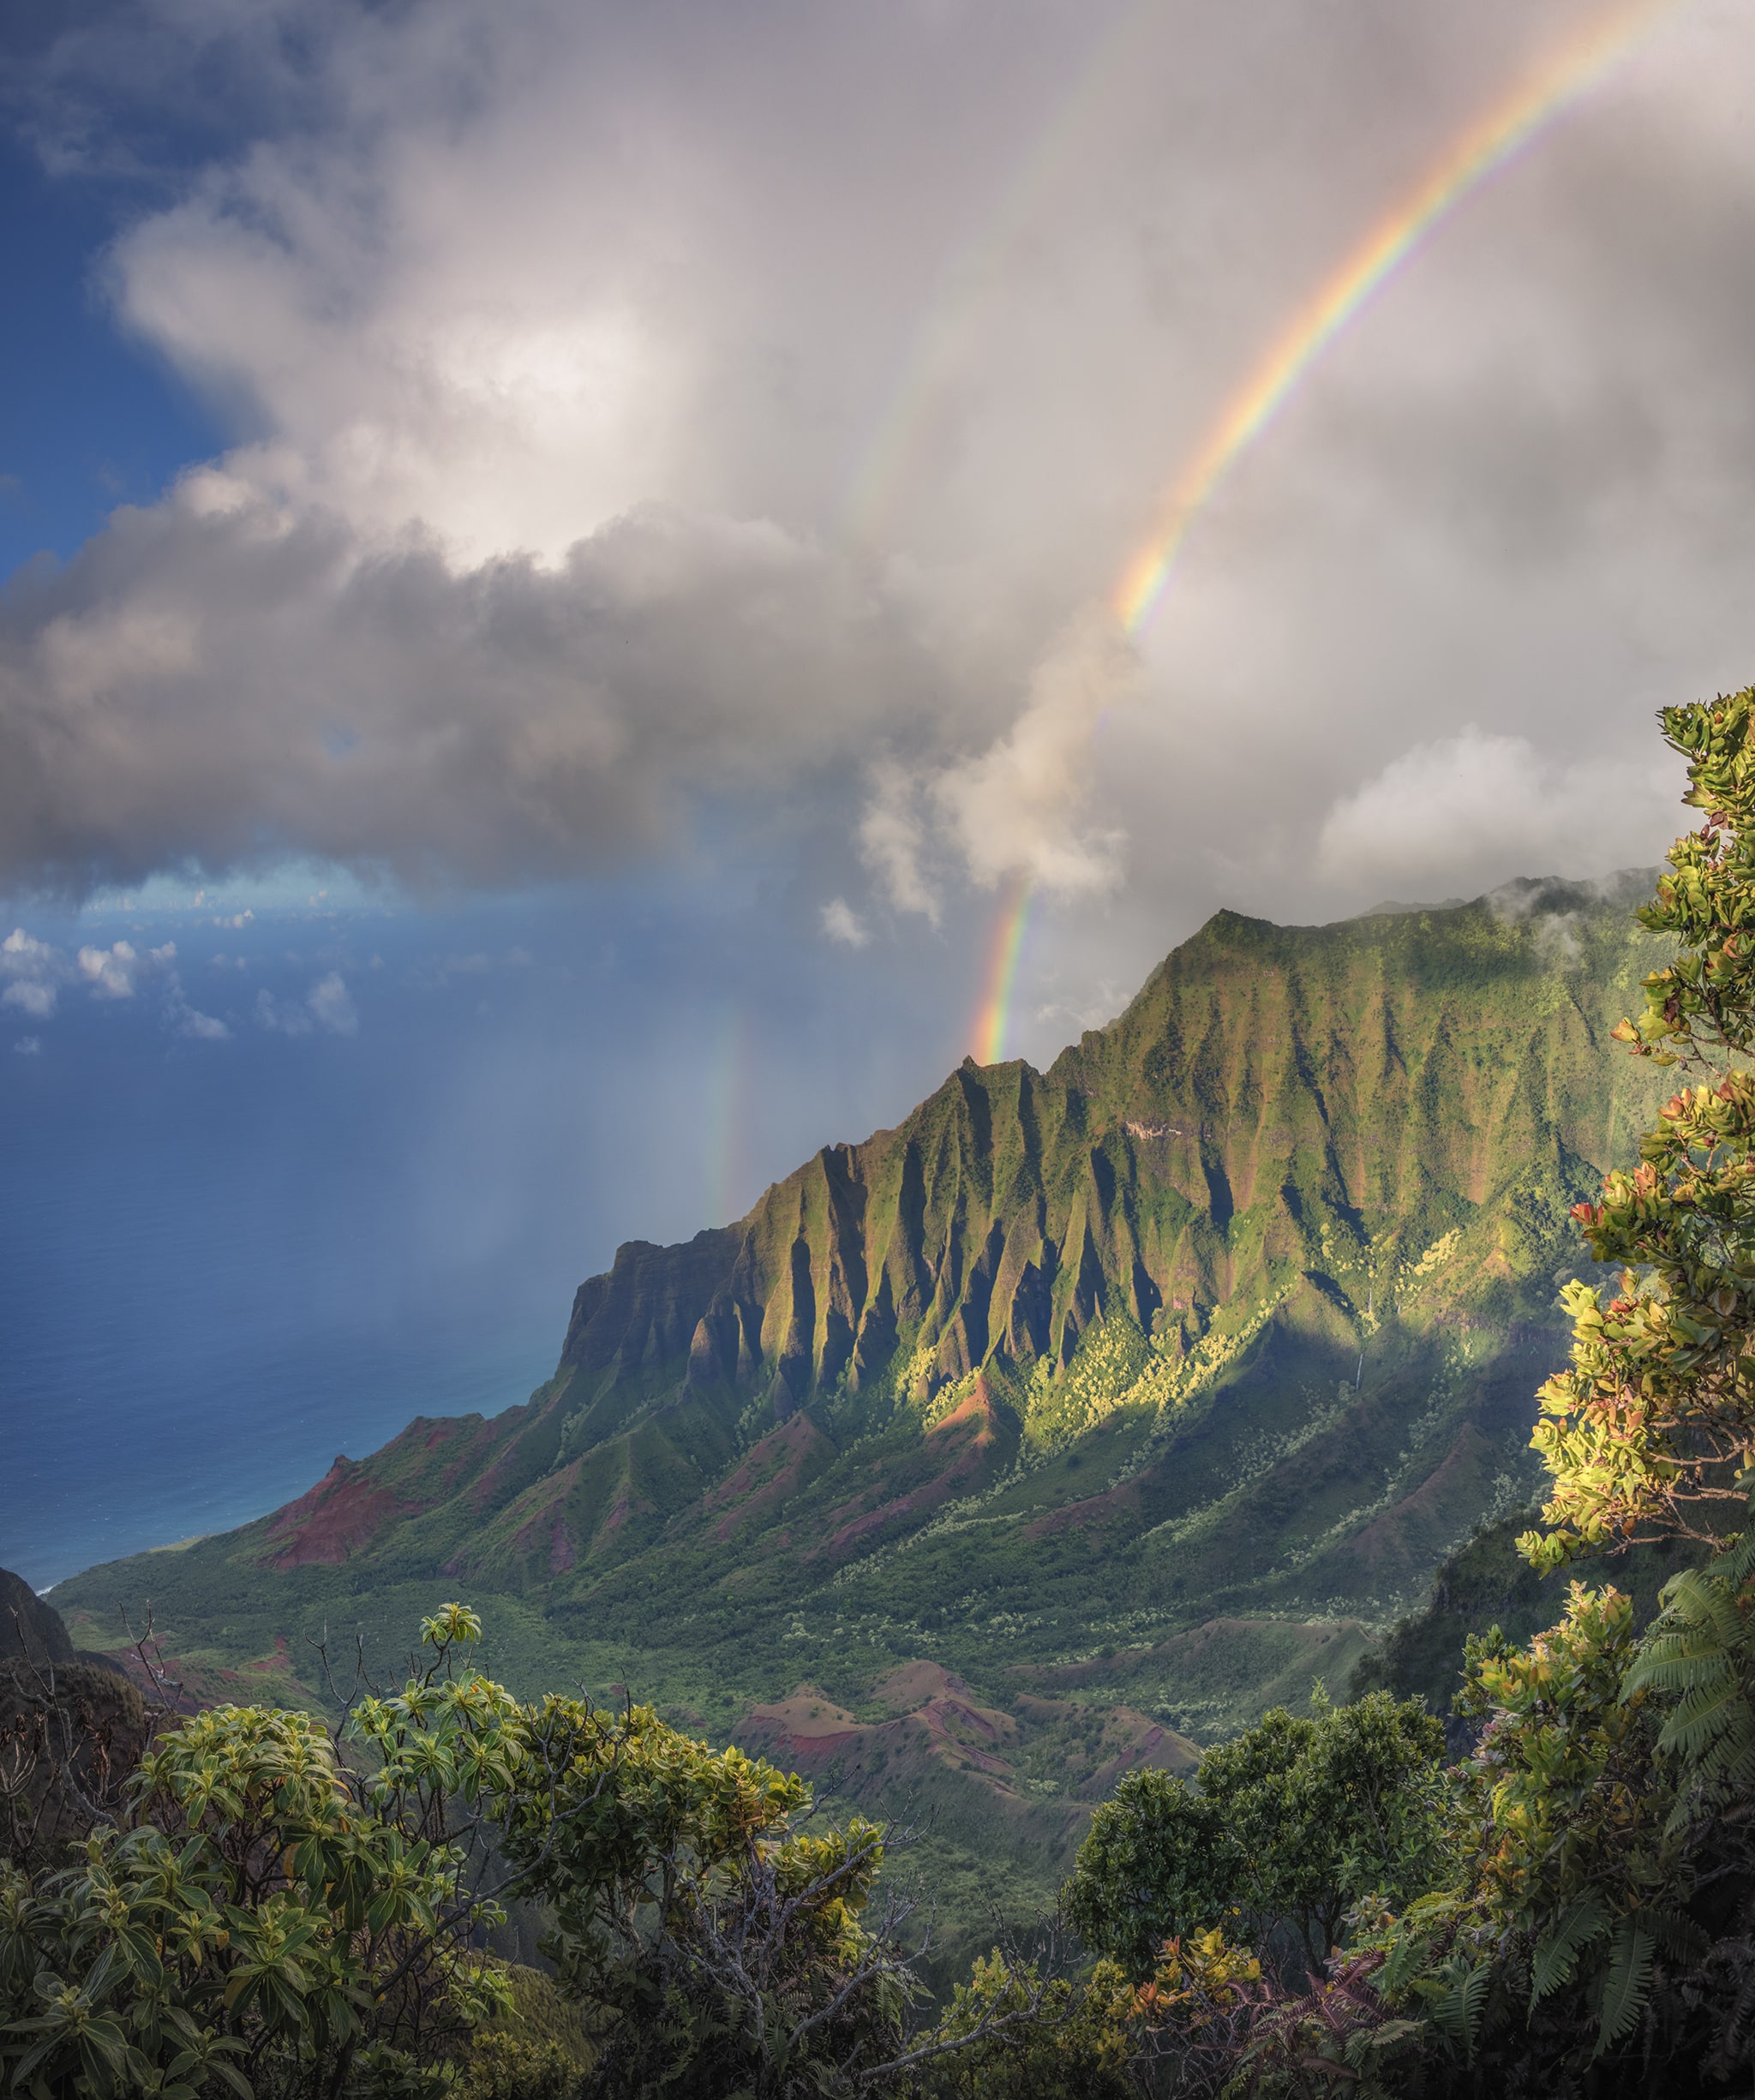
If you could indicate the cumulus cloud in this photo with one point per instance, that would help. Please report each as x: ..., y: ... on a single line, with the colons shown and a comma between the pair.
x: 841, y: 923
x: 327, y: 1005
x: 189, y: 1022
x: 510, y: 722
x: 35, y: 971
x: 37, y: 1000
x: 893, y: 838
x: 28, y: 1046
x: 1021, y: 807
x: 1478, y: 803
x: 331, y: 1003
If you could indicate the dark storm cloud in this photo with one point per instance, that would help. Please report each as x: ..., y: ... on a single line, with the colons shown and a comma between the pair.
x: 231, y: 689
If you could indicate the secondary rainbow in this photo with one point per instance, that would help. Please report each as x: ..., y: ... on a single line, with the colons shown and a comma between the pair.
x: 1494, y: 139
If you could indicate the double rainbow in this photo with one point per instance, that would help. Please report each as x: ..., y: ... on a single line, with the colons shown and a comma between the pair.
x: 1537, y: 101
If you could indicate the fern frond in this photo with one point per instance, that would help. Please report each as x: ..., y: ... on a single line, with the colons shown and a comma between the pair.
x: 1672, y: 1934
x: 1703, y: 1598
x: 1707, y: 1711
x: 1458, y: 2012
x: 1555, y: 1961
x: 1729, y: 1765
x: 1627, y: 1985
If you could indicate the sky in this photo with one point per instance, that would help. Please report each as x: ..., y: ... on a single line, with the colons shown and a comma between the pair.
x: 661, y: 477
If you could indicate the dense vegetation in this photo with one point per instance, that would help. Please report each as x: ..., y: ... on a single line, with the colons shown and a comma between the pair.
x: 1322, y: 1904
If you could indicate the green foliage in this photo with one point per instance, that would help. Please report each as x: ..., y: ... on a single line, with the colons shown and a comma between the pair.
x: 271, y: 1916
x: 1652, y: 1428
x: 1156, y: 1861
x: 1700, y: 1655
x: 1577, y: 1862
x: 719, y: 1943
x: 252, y: 1925
x: 1706, y: 998
x: 1009, y: 2034
x: 1283, y: 1830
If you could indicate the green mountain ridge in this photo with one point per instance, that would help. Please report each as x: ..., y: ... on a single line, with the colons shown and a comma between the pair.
x: 1150, y: 1385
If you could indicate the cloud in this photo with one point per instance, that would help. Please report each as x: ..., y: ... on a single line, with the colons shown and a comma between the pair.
x: 327, y: 1005
x: 841, y: 923
x: 631, y: 457
x: 282, y: 1016
x: 1481, y: 803
x: 1021, y: 806
x: 507, y: 722
x: 28, y: 1046
x: 35, y: 971
x: 189, y: 1022
x: 893, y: 839
x: 329, y: 1000
x: 110, y: 972
x: 37, y: 1000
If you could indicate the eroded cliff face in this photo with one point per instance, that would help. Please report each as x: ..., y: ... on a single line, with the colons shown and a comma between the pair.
x: 1298, y: 1153
x: 1275, y: 1101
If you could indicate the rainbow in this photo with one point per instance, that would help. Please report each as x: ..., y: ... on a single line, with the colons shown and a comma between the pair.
x: 993, y: 1015
x: 1490, y: 143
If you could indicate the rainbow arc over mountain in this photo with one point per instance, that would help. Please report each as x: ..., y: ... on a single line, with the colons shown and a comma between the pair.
x: 1538, y: 100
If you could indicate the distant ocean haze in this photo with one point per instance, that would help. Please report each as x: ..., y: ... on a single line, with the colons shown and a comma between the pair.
x: 225, y: 1258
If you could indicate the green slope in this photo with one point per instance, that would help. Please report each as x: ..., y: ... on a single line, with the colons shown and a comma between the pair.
x: 1149, y: 1385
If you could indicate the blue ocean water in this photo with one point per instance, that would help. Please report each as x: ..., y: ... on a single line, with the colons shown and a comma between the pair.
x: 226, y: 1258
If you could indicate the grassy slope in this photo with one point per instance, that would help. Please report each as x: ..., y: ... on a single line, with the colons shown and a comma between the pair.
x: 1133, y: 1393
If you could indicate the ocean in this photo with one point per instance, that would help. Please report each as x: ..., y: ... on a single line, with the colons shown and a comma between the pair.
x: 225, y: 1257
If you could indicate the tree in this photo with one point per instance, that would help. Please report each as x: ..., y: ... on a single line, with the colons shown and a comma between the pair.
x: 1283, y: 1830
x: 262, y: 1913
x: 1650, y: 1431
x: 719, y: 1945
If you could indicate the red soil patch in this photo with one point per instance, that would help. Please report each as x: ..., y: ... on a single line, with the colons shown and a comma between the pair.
x: 1092, y: 1510
x: 331, y: 1522
x: 754, y: 1488
x: 977, y: 1408
x: 911, y: 1684
x: 546, y: 1512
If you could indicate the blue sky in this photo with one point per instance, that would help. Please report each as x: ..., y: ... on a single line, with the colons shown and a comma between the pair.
x: 653, y: 479
x: 87, y: 419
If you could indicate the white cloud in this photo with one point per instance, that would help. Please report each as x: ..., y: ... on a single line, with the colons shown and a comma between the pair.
x: 327, y: 1005
x: 841, y: 923
x: 1021, y: 807
x: 110, y: 972
x: 893, y: 841
x: 35, y: 969
x: 329, y: 1000
x: 28, y: 1046
x: 282, y: 1016
x: 30, y: 996
x: 1459, y: 810
x: 198, y: 1027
